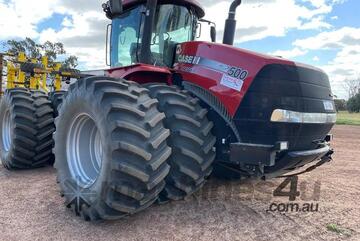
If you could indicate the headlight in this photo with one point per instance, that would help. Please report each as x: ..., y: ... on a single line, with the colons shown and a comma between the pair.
x: 288, y: 116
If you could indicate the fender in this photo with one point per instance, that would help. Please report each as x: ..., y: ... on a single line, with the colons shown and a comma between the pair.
x: 214, y: 104
x: 224, y: 127
x: 142, y: 73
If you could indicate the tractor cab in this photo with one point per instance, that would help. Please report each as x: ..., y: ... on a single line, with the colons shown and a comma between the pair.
x: 170, y: 22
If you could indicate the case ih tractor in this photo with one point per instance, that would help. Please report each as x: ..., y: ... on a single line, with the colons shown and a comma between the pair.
x: 169, y: 112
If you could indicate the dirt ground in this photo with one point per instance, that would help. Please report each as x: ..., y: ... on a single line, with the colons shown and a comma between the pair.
x: 31, y: 208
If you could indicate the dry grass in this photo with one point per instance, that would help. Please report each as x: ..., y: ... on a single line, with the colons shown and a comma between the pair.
x: 346, y: 118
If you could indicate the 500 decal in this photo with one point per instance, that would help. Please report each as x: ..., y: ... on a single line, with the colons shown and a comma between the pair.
x: 238, y: 73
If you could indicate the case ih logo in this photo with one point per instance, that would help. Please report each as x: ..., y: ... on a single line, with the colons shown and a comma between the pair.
x: 189, y: 59
x: 178, y: 49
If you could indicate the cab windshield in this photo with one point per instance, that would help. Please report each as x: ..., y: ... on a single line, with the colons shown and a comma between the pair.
x: 173, y: 25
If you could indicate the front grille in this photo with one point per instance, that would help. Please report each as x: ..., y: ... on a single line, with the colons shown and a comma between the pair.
x: 289, y: 88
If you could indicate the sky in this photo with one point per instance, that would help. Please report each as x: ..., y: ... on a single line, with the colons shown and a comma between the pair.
x: 323, y: 33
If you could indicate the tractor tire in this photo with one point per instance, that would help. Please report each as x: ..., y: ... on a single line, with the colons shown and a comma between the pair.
x: 45, y: 127
x: 18, y: 129
x: 191, y: 141
x: 110, y: 148
x: 56, y: 98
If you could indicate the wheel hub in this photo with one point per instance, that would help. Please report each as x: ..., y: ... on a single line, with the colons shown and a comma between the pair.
x: 6, y: 131
x: 84, y: 150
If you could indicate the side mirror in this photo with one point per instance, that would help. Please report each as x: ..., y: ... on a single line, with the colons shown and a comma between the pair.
x: 198, y: 30
x: 112, y: 8
x: 213, y: 34
x: 212, y: 29
x: 115, y: 7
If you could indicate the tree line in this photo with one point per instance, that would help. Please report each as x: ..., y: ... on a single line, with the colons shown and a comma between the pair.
x: 353, y: 104
x: 34, y: 50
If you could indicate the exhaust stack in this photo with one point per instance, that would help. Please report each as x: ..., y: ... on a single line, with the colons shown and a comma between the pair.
x: 230, y: 24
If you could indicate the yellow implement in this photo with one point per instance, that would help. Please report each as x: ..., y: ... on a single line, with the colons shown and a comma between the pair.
x: 32, y: 73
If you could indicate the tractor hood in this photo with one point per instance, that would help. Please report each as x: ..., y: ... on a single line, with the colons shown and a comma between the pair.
x: 228, y: 72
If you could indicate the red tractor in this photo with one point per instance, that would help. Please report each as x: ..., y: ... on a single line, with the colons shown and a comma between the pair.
x: 172, y: 110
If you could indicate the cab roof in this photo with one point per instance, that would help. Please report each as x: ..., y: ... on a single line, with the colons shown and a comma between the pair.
x: 192, y: 3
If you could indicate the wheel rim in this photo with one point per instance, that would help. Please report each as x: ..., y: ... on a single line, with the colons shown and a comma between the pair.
x: 84, y: 150
x: 6, y: 131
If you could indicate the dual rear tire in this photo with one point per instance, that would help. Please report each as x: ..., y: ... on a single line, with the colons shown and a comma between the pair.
x: 110, y: 148
x: 27, y: 124
x: 119, y: 147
